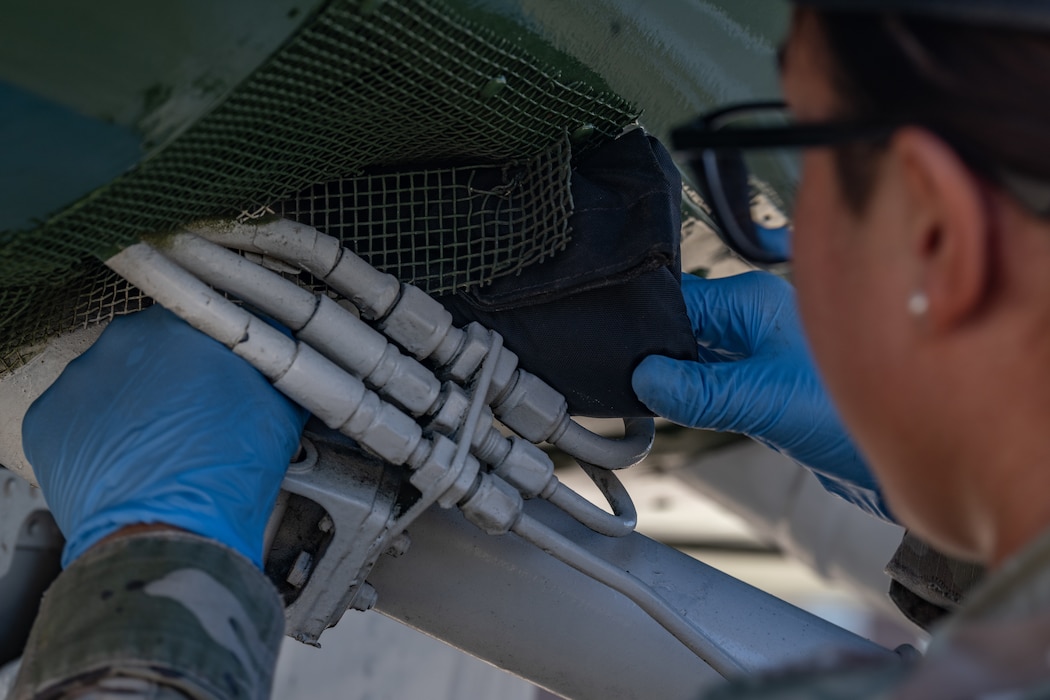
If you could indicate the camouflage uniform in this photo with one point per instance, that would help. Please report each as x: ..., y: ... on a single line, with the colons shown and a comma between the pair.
x: 167, y: 616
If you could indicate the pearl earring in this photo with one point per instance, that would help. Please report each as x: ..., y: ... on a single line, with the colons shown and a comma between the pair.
x: 918, y: 304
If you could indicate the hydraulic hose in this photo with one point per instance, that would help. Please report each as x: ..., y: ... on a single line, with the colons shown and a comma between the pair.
x: 620, y: 523
x: 339, y: 399
x: 323, y: 256
x: 324, y: 325
x: 434, y: 494
x: 337, y: 333
x: 378, y: 294
x: 609, y: 453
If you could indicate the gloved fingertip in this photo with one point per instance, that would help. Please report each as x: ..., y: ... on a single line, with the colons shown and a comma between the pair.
x: 648, y: 374
x: 654, y: 383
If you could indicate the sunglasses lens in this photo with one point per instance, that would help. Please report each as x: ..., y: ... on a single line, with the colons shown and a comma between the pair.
x: 752, y: 190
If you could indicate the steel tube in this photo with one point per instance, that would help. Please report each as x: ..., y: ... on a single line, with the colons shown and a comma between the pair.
x: 633, y: 588
x: 610, y: 453
x: 619, y: 523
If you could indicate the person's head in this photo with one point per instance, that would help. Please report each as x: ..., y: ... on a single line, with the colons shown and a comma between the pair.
x: 922, y: 259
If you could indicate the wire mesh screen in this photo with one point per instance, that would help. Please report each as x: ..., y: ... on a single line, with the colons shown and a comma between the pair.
x: 447, y: 228
x: 366, y: 84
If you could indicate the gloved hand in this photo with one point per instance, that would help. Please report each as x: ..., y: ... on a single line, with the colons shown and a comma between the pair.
x: 756, y: 377
x: 157, y: 423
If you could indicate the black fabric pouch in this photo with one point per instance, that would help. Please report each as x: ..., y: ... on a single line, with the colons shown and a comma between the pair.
x: 583, y: 319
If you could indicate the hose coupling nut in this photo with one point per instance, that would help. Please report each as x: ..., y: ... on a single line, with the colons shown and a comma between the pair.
x: 526, y: 467
x: 532, y: 409
x: 495, y: 506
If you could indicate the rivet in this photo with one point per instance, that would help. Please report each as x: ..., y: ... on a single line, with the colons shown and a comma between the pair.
x: 326, y: 524
x: 300, y: 570
x: 399, y: 546
x: 494, y: 86
x: 583, y: 133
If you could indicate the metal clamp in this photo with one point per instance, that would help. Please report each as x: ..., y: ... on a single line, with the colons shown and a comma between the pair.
x: 359, y: 495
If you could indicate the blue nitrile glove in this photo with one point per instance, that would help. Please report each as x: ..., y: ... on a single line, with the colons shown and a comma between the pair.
x: 157, y: 423
x: 756, y: 377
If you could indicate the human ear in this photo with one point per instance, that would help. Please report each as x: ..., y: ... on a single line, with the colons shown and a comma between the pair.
x: 950, y: 227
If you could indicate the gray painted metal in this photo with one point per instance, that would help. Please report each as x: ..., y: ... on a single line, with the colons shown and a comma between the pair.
x: 30, y: 549
x: 503, y: 600
x: 24, y: 519
x: 359, y: 496
x: 509, y: 603
x: 70, y: 125
x: 671, y: 59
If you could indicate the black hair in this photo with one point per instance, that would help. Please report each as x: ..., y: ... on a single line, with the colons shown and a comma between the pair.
x: 986, y: 91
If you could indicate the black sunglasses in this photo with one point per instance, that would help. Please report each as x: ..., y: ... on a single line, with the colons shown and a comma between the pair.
x: 746, y: 162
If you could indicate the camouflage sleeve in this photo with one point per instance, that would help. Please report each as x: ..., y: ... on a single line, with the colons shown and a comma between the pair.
x: 169, y: 616
x: 928, y: 585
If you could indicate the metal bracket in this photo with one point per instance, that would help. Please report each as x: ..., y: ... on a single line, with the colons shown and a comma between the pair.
x: 25, y: 521
x: 30, y: 550
x: 359, y: 494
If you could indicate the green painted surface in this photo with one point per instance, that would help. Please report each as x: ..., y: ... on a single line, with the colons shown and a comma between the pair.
x: 148, y: 70
x: 53, y: 155
x: 89, y: 89
x: 151, y: 66
x: 671, y: 58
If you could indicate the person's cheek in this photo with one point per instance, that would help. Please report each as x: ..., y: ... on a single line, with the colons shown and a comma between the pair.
x: 819, y: 269
x: 809, y: 236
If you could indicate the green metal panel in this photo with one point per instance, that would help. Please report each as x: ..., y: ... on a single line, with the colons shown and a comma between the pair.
x: 89, y: 89
x: 671, y: 58
x: 151, y: 66
x: 53, y: 155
